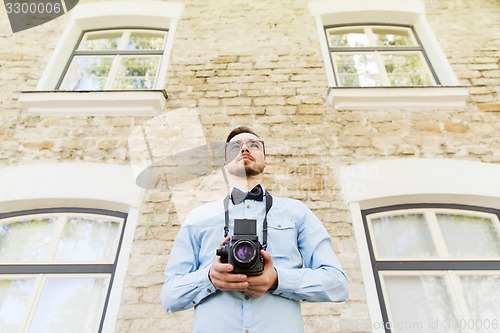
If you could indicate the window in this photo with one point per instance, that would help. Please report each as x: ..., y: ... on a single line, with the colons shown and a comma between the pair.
x: 378, y: 55
x: 115, y: 59
x: 444, y: 258
x: 108, y: 200
x: 118, y: 52
x: 71, y: 253
x: 428, y: 240
x: 374, y: 51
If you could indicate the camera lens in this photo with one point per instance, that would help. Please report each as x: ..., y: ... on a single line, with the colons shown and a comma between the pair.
x: 244, y: 252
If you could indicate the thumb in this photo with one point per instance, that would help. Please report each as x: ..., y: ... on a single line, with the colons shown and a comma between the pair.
x: 268, y: 259
x: 225, y: 240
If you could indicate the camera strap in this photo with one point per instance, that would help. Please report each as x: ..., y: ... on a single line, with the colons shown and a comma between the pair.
x: 269, y: 204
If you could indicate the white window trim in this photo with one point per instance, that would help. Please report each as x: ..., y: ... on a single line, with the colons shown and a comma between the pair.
x: 84, y: 185
x: 104, y: 15
x: 412, y: 180
x: 448, y: 95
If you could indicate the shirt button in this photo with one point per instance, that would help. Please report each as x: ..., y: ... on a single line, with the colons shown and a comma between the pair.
x: 248, y: 206
x: 209, y: 290
x: 247, y: 297
x: 247, y: 331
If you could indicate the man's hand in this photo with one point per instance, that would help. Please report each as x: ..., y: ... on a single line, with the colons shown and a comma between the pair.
x: 260, y: 284
x: 254, y: 286
x: 222, y: 279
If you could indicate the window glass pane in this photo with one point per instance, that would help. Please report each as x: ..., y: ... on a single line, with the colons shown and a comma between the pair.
x: 76, y: 309
x: 137, y: 72
x: 402, y: 236
x: 26, y: 240
x: 458, y: 229
x: 88, y: 239
x: 416, y: 301
x: 87, y: 73
x: 387, y: 36
x: 14, y: 296
x: 101, y: 40
x: 357, y: 70
x: 146, y: 40
x: 482, y: 294
x: 347, y: 37
x: 406, y: 69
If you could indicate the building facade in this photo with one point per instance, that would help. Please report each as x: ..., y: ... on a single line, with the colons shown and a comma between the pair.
x: 383, y: 117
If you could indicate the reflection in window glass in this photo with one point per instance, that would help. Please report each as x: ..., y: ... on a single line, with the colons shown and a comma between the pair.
x: 419, y: 299
x: 482, y: 294
x: 124, y: 59
x: 146, y: 41
x: 109, y: 40
x: 353, y: 37
x: 137, y: 73
x: 403, y: 236
x: 14, y: 296
x: 56, y: 269
x: 375, y: 56
x: 25, y: 240
x: 458, y: 230
x: 76, y: 309
x: 406, y: 69
x: 88, y: 239
x: 386, y: 36
x: 88, y: 73
x: 358, y: 70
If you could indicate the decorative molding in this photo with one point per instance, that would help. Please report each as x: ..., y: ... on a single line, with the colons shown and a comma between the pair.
x: 92, y: 103
x: 380, y: 98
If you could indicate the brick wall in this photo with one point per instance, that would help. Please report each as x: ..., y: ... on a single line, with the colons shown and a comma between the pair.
x: 259, y: 63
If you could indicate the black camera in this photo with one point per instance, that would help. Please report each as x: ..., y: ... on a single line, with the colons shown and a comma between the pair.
x: 243, y: 250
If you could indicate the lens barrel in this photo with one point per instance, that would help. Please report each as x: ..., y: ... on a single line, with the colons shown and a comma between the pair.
x: 245, y: 253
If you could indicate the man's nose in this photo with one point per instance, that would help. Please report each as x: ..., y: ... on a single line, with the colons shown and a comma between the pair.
x: 244, y: 147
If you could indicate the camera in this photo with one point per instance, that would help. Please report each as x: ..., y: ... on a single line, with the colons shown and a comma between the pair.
x: 243, y: 250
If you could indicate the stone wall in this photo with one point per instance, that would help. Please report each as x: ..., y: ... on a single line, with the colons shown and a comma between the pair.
x: 258, y: 63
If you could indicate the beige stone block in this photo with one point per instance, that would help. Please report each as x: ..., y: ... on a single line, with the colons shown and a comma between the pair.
x: 456, y: 127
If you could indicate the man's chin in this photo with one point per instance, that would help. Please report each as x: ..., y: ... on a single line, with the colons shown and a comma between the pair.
x: 245, y: 172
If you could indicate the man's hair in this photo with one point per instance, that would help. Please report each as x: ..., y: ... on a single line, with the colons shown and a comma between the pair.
x: 239, y: 130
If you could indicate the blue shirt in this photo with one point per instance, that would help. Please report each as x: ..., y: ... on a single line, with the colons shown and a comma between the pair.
x: 302, y: 253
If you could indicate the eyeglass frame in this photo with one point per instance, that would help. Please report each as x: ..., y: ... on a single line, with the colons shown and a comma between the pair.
x: 241, y: 144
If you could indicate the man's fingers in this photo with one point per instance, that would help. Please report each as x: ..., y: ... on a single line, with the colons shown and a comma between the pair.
x: 225, y: 240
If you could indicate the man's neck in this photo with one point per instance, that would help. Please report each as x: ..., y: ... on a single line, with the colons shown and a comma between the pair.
x: 245, y: 183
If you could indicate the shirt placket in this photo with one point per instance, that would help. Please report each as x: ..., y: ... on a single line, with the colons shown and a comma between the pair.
x: 247, y: 308
x: 250, y: 210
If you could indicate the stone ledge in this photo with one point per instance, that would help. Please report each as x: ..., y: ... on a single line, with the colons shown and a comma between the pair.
x: 381, y: 98
x: 91, y: 103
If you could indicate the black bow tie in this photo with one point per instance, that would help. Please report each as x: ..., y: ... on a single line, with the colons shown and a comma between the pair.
x: 237, y: 195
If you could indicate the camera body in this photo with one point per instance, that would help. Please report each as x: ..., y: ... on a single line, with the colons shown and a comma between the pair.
x: 243, y: 250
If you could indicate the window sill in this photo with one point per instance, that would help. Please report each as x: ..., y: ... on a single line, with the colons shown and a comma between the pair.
x: 379, y: 98
x: 91, y: 103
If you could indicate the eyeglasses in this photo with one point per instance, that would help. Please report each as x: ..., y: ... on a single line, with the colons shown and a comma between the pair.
x: 233, y: 148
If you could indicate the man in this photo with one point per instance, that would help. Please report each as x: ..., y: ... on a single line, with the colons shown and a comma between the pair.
x: 299, y: 262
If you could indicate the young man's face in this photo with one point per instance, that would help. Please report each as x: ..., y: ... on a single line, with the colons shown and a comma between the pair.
x: 245, y: 155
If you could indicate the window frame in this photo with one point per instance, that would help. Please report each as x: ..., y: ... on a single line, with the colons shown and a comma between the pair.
x: 43, y: 270
x: 115, y: 54
x: 85, y: 185
x: 47, y: 100
x: 450, y: 94
x: 422, y: 266
x: 379, y: 49
x: 406, y: 181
